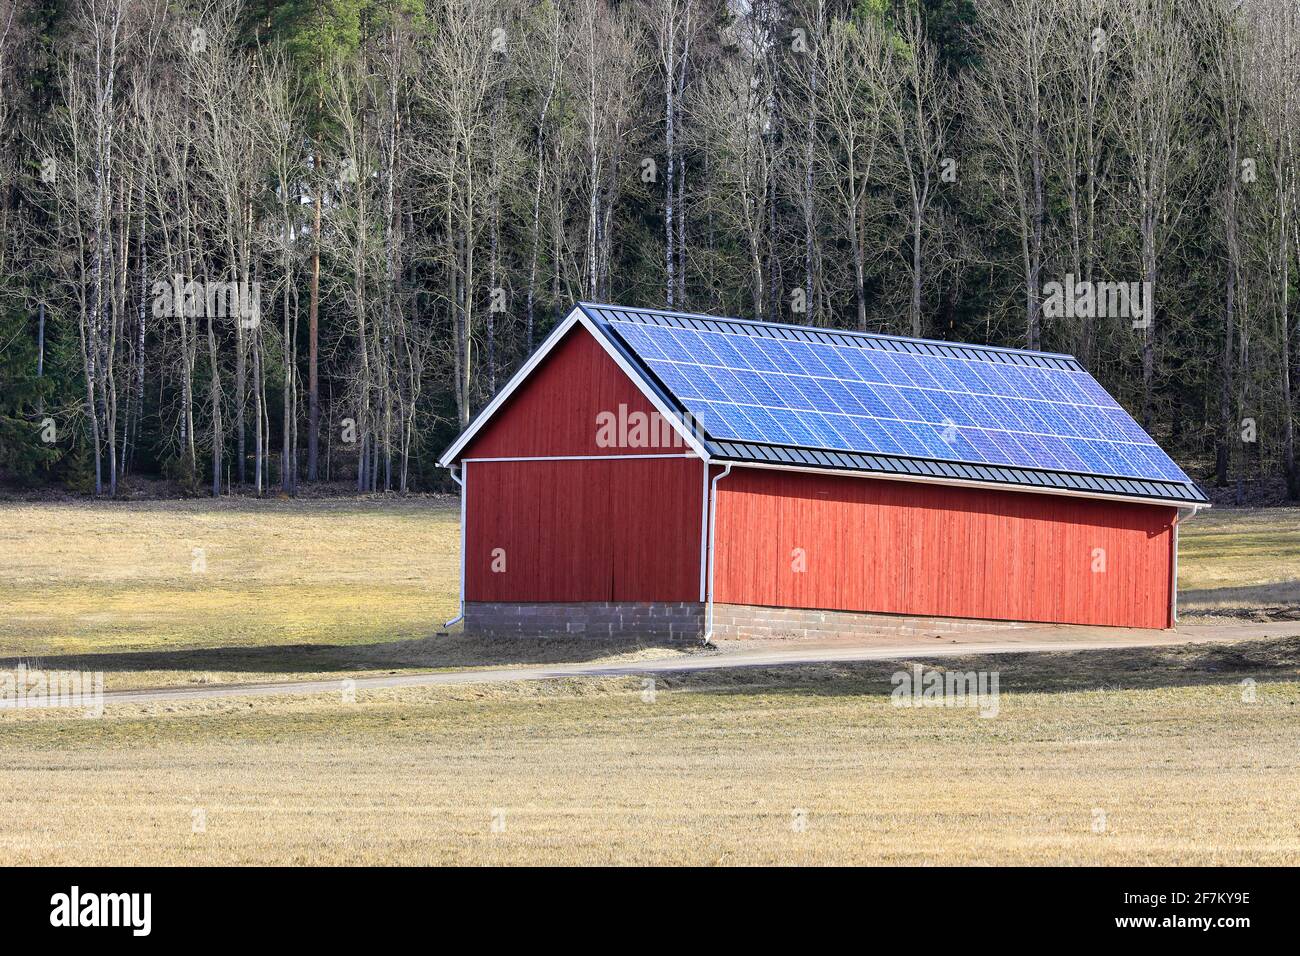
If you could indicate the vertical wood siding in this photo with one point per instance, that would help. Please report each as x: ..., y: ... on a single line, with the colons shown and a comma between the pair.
x: 590, y: 530
x: 909, y: 548
x: 554, y: 411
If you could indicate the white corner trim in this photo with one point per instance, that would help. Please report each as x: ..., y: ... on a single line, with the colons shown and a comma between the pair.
x: 460, y: 480
x: 575, y: 317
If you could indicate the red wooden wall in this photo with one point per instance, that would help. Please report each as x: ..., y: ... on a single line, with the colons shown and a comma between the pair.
x: 554, y: 411
x: 910, y: 548
x: 623, y: 529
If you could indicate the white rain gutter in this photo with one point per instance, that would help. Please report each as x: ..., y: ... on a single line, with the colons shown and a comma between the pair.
x: 459, y: 478
x: 713, y: 517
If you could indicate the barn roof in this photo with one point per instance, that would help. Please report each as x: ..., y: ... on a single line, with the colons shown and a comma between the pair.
x: 799, y: 397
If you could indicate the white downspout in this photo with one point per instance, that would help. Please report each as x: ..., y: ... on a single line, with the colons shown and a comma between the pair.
x: 460, y: 480
x: 713, y: 515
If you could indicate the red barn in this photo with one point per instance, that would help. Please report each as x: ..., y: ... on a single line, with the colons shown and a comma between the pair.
x: 659, y: 473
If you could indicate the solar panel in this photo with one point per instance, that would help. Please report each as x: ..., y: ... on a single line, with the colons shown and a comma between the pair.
x: 781, y: 385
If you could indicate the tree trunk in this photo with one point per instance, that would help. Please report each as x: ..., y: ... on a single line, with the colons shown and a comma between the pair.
x: 313, y: 333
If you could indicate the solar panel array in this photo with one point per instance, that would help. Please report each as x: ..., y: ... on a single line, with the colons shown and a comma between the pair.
x: 816, y: 389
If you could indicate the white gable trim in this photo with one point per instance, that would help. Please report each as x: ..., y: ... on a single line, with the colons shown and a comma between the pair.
x: 575, y: 317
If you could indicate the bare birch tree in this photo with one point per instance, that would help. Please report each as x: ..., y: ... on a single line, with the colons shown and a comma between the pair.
x: 459, y: 75
x: 550, y: 39
x: 1083, y: 102
x: 855, y: 63
x: 733, y: 114
x: 1274, y: 87
x: 1006, y: 102
x: 918, y: 112
x: 673, y: 24
x: 1158, y: 58
x: 606, y: 62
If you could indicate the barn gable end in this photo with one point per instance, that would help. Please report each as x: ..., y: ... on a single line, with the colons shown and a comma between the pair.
x: 577, y: 395
x: 559, y: 409
x: 583, y: 504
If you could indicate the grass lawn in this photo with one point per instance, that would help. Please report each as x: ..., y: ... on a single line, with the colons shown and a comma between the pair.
x: 100, y: 576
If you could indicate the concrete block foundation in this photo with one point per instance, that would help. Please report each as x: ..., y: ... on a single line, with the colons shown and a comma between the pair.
x: 619, y: 619
x: 686, y: 621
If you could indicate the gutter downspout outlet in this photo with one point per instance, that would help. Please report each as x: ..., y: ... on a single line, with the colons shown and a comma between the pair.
x: 713, y: 515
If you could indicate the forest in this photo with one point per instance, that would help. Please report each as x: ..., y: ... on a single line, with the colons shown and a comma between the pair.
x: 251, y: 247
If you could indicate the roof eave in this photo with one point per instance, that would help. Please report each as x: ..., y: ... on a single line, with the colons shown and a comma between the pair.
x: 1194, y: 505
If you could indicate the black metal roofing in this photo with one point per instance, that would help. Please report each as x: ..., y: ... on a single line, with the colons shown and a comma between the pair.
x: 951, y: 470
x: 925, y: 468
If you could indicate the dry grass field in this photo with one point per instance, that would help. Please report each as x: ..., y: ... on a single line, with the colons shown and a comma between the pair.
x: 176, y: 592
x: 1143, y: 757
x: 198, y: 592
x: 1240, y: 563
x: 169, y: 575
x: 1163, y: 746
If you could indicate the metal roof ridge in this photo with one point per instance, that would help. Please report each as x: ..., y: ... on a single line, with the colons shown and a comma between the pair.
x: 814, y: 328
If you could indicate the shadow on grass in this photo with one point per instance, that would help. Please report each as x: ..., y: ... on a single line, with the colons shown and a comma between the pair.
x: 1190, y: 665
x: 1279, y: 601
x: 395, y: 656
